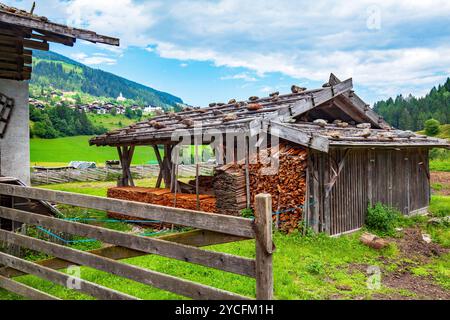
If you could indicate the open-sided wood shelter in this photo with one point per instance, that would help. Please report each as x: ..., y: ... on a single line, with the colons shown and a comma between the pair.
x: 349, y: 156
x: 20, y: 33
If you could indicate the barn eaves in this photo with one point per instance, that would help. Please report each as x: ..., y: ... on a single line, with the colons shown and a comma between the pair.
x: 21, y: 32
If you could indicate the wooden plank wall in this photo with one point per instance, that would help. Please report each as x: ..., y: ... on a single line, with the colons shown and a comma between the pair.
x: 397, y: 178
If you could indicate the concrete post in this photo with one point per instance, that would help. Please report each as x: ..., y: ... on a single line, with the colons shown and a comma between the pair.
x: 15, y: 146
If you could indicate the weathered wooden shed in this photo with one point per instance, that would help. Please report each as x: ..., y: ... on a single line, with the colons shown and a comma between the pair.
x: 20, y: 33
x: 353, y: 156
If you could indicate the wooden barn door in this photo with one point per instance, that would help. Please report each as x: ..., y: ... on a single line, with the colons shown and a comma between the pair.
x: 346, y: 193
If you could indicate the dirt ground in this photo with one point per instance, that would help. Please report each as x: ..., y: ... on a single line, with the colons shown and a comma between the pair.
x: 442, y: 178
x: 414, y: 252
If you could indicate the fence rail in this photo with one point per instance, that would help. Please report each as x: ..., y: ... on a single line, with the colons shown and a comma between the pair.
x: 215, y: 226
x: 44, y: 176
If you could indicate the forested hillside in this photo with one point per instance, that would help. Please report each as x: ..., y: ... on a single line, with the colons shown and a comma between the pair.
x: 53, y: 70
x: 410, y: 113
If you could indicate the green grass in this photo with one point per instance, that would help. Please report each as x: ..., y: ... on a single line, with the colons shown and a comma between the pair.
x: 444, y: 131
x: 64, y: 150
x: 312, y: 267
x: 295, y: 278
x: 110, y: 122
x: 100, y: 188
x: 440, y: 206
x: 440, y: 165
x: 440, y: 158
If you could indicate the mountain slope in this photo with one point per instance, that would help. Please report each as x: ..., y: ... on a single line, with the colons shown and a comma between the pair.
x: 410, y: 113
x: 60, y: 72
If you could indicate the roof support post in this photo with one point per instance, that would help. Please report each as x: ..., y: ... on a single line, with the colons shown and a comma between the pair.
x: 126, y: 156
x: 161, y: 166
x: 167, y: 166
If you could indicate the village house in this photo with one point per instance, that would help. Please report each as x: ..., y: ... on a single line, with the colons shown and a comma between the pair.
x: 152, y: 109
x: 335, y: 156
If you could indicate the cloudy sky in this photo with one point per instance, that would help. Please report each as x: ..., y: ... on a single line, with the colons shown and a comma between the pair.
x: 214, y: 50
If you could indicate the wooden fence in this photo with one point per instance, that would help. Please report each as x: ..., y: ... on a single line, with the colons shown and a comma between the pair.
x: 66, y: 175
x: 209, y: 229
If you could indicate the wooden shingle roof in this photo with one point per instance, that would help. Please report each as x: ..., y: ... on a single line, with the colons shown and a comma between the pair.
x: 51, y: 31
x: 289, y: 116
x: 236, y: 115
x: 22, y: 31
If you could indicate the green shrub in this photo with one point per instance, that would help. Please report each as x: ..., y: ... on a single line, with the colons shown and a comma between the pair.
x: 432, y: 127
x: 382, y: 219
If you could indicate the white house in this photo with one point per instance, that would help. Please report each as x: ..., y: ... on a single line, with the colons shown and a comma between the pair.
x: 152, y: 109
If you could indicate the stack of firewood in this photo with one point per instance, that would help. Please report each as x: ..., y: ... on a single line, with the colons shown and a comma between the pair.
x: 230, y: 191
x: 162, y: 197
x: 287, y: 185
x: 205, y: 184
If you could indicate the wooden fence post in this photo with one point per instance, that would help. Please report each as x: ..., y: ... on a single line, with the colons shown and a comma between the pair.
x: 264, y: 247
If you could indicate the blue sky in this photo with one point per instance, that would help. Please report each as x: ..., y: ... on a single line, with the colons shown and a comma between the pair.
x: 212, y: 51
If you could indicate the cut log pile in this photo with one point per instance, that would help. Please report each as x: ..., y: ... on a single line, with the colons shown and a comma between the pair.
x: 287, y: 185
x: 205, y: 184
x: 162, y: 197
x: 229, y: 187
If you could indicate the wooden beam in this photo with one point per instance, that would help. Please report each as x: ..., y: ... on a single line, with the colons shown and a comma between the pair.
x: 217, y: 260
x: 315, y: 99
x: 59, y: 29
x: 333, y: 180
x: 37, y: 45
x: 264, y: 247
x: 68, y: 41
x: 63, y: 279
x: 130, y: 154
x: 24, y: 290
x: 358, y: 103
x: 214, y: 222
x: 122, y: 181
x: 196, y: 238
x: 156, y: 279
x: 247, y: 172
x: 291, y: 134
x: 160, y: 163
x: 15, y: 57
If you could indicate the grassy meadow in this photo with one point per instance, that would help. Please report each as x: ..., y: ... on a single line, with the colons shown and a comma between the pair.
x: 305, y: 267
x: 109, y: 121
x: 60, y: 151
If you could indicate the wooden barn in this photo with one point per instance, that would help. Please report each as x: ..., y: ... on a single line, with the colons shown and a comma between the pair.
x: 324, y: 155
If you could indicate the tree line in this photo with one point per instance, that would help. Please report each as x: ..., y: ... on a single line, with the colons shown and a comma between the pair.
x: 57, y: 71
x: 411, y: 113
x: 61, y: 121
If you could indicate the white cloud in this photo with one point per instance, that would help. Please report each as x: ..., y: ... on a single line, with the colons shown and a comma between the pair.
x: 184, y: 65
x: 267, y: 89
x: 302, y: 39
x: 95, y: 59
x: 240, y: 76
x: 126, y: 19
